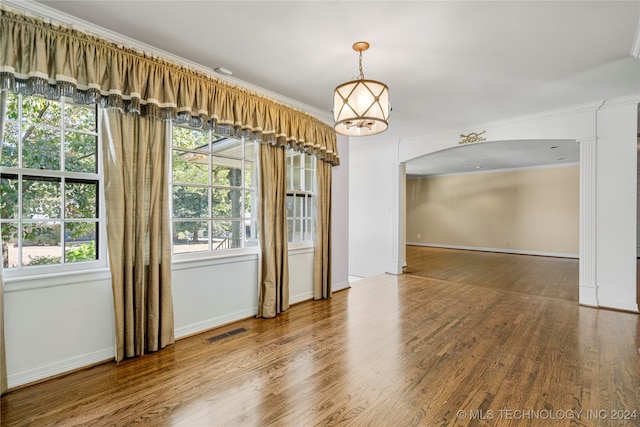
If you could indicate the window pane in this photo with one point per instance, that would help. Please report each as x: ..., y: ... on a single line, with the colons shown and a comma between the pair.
x: 308, y: 161
x: 81, y: 199
x: 9, y: 196
x: 41, y: 198
x: 308, y: 180
x: 227, y: 172
x: 80, y: 152
x: 308, y: 230
x: 227, y: 235
x: 190, y: 236
x: 251, y: 233
x: 295, y: 159
x: 309, y: 206
x: 80, y: 117
x: 296, y: 184
x: 290, y: 233
x: 10, y: 145
x: 297, y: 230
x: 190, y: 202
x: 227, y: 203
x: 41, y: 243
x: 80, y: 241
x: 249, y: 174
x: 12, y: 106
x: 249, y: 198
x: 190, y: 167
x: 290, y: 206
x: 41, y: 111
x: 250, y: 150
x: 190, y: 138
x: 228, y: 147
x: 299, y: 201
x: 40, y: 148
x: 10, y: 239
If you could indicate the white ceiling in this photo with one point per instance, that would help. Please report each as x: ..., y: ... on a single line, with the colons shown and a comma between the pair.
x: 493, y: 155
x: 449, y: 65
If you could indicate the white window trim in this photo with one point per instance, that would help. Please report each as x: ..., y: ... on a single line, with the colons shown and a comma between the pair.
x: 211, y: 255
x: 48, y: 275
x: 306, y: 193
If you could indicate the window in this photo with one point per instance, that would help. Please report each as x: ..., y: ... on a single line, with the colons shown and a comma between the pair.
x: 49, y: 183
x: 213, y: 191
x: 300, y: 188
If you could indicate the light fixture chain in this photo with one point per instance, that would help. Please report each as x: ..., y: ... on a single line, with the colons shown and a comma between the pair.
x: 360, y: 62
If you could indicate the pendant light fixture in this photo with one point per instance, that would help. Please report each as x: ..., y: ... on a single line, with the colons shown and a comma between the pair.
x: 361, y: 107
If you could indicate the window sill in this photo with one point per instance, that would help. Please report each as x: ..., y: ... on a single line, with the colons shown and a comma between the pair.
x: 50, y: 280
x: 203, y: 259
x: 299, y: 248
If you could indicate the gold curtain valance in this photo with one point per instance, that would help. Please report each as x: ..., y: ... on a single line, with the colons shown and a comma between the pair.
x: 37, y: 57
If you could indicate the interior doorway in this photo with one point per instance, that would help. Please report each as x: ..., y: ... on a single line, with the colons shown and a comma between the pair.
x: 491, y: 213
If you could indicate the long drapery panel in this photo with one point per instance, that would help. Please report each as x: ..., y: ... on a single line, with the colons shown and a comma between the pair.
x: 3, y: 357
x: 273, y: 290
x: 136, y: 193
x: 322, y: 241
x: 53, y: 60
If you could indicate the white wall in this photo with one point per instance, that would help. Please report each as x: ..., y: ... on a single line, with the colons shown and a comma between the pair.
x: 528, y: 211
x: 210, y: 293
x: 372, y: 169
x: 340, y: 218
x: 57, y: 328
x: 638, y: 198
x: 374, y: 190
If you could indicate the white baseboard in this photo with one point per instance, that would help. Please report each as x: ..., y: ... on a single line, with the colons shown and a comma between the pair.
x: 305, y: 296
x: 500, y: 250
x: 340, y: 286
x: 619, y: 305
x: 196, y: 328
x: 61, y: 367
x: 588, y: 296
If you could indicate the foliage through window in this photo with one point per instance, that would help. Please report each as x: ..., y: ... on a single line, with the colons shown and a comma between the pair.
x: 300, y: 189
x: 213, y: 191
x: 49, y: 183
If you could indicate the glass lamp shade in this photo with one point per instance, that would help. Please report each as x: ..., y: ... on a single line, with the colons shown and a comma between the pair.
x: 361, y: 108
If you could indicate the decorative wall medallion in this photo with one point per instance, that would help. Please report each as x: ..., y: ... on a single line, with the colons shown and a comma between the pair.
x: 472, y: 137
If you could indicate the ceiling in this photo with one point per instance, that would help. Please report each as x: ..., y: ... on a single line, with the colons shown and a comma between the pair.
x: 449, y: 65
x: 493, y: 155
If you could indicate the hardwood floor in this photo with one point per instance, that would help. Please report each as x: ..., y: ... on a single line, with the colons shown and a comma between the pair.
x: 391, y: 351
x: 527, y: 274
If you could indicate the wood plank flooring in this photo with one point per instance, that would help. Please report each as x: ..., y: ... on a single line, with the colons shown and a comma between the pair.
x: 391, y: 351
x: 527, y: 274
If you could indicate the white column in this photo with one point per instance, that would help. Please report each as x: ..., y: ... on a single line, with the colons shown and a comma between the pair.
x: 588, y: 161
x: 397, y: 220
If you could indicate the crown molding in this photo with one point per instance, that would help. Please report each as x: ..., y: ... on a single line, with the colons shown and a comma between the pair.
x: 624, y: 100
x: 490, y: 171
x: 48, y: 14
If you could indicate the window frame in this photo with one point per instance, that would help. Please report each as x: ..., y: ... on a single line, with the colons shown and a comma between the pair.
x: 211, y: 187
x: 309, y: 197
x: 42, y: 272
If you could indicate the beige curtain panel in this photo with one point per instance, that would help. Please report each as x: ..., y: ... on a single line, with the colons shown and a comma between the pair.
x: 273, y: 290
x: 322, y: 249
x: 51, y: 60
x: 136, y: 194
x: 3, y: 358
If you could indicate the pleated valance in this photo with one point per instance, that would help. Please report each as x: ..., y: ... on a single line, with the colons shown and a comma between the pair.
x: 39, y: 57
